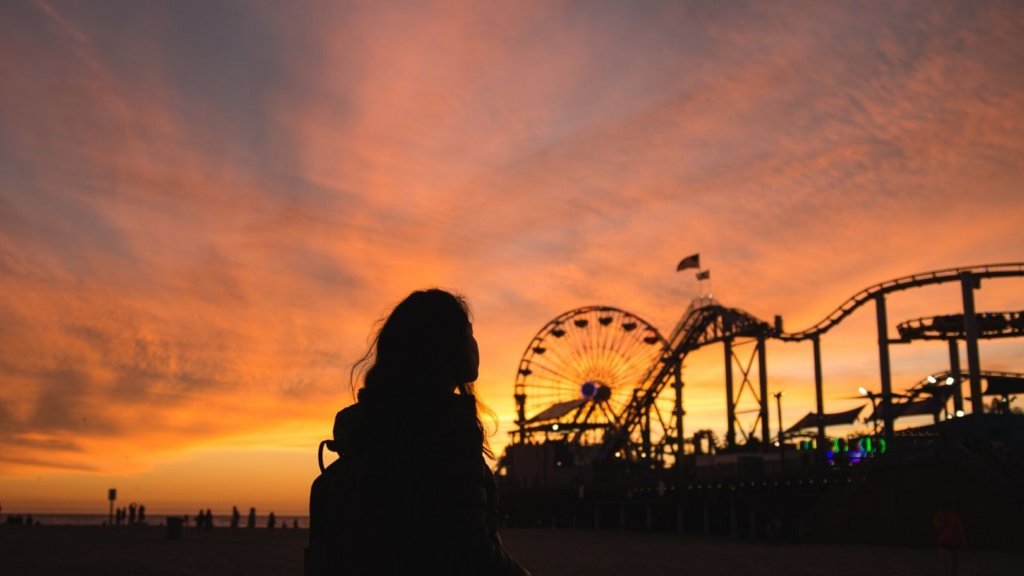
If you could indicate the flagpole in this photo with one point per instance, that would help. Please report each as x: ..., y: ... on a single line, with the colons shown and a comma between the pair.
x: 702, y: 277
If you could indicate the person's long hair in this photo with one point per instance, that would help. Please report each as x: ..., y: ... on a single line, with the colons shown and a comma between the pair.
x: 421, y: 354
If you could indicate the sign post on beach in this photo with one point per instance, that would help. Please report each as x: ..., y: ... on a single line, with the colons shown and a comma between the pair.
x: 111, y: 495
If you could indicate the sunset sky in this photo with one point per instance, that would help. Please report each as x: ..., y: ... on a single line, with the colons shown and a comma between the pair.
x: 205, y: 206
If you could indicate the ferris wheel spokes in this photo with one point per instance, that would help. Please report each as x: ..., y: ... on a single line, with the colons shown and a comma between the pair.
x: 582, y: 370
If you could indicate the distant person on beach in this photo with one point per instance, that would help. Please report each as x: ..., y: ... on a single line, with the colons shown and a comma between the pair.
x: 235, y: 517
x: 131, y: 513
x: 949, y: 533
x: 251, y: 521
x: 271, y: 521
x: 422, y: 500
x: 142, y: 513
x: 209, y: 519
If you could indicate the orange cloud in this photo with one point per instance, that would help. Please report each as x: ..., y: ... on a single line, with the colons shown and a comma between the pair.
x: 203, y: 214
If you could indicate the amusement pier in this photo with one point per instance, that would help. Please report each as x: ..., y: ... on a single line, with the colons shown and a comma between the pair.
x: 601, y: 442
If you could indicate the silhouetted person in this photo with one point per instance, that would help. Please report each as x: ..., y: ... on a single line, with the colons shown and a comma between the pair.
x: 423, y: 498
x: 251, y: 521
x: 949, y: 535
x: 131, y: 513
x: 271, y: 521
x: 142, y: 514
x: 209, y: 519
x: 235, y: 517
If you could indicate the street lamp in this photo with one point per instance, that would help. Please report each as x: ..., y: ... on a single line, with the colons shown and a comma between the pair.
x: 782, y: 447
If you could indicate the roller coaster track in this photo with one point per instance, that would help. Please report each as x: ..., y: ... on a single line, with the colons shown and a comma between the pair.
x: 937, y: 383
x: 896, y: 285
x: 990, y: 325
x: 706, y: 322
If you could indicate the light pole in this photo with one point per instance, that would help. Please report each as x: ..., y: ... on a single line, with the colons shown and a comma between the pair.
x: 782, y: 447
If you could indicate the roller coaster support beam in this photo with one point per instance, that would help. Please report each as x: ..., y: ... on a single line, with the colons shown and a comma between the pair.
x: 883, y: 364
x: 730, y: 404
x: 818, y: 395
x: 968, y: 283
x: 954, y: 372
x: 678, y: 412
x: 645, y: 436
x: 762, y: 373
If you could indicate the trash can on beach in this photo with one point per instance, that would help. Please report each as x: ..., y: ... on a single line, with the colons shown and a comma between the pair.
x: 174, y: 524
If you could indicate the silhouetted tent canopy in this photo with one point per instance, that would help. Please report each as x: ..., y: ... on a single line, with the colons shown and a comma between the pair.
x: 1005, y: 385
x: 558, y: 410
x: 916, y: 408
x: 837, y: 419
x: 927, y: 406
x: 938, y: 389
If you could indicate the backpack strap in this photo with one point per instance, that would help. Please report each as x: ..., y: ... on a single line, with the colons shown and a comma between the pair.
x: 320, y: 452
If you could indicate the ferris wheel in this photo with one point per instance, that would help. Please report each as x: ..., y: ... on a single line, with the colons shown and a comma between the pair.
x: 581, y: 370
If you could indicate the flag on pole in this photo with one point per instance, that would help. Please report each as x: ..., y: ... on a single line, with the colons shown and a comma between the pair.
x: 692, y: 261
x: 704, y: 275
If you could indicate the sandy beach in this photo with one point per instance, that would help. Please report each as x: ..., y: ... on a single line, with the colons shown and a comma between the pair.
x: 72, y: 550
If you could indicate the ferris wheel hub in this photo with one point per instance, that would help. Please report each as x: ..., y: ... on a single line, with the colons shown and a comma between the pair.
x: 595, y: 390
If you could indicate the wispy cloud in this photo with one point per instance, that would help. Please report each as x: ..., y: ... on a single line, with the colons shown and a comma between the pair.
x: 203, y: 211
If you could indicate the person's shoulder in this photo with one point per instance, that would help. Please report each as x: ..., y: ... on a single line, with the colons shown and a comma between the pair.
x: 346, y: 423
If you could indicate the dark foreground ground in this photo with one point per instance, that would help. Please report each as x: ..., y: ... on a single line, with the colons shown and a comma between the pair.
x: 73, y: 550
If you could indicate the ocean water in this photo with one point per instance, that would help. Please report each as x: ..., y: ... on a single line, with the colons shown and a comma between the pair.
x: 219, y: 520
